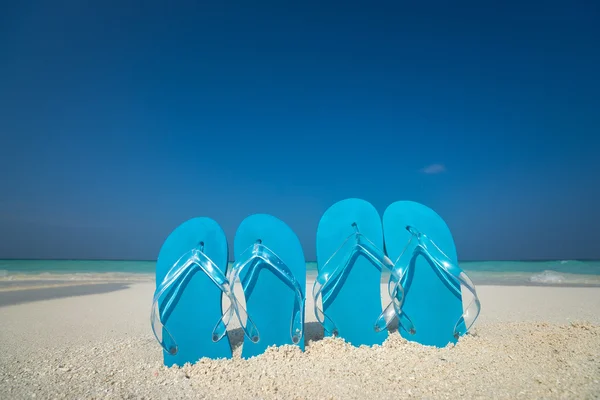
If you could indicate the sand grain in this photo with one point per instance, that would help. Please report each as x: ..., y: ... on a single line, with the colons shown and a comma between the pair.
x: 100, y: 346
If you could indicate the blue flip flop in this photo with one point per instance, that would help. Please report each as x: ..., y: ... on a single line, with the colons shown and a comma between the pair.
x: 424, y: 254
x: 350, y: 261
x: 271, y: 267
x: 186, y: 311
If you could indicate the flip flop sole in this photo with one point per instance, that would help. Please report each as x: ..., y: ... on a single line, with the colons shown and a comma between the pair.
x: 269, y: 300
x: 197, y: 305
x: 353, y: 303
x: 431, y: 305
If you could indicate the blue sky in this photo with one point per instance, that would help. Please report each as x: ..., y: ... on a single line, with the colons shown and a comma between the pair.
x: 120, y: 120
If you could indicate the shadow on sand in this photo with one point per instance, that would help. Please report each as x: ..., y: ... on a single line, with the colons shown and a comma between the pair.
x: 313, y: 332
x: 21, y: 296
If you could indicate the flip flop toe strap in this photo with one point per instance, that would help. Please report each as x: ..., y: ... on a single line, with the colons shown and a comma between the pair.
x: 260, y: 255
x: 338, y: 265
x: 189, y: 264
x: 451, y: 273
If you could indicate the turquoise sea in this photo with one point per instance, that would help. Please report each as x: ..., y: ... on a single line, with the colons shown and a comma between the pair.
x: 560, y: 272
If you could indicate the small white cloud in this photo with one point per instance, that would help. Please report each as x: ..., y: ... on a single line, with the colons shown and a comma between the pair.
x: 434, y: 169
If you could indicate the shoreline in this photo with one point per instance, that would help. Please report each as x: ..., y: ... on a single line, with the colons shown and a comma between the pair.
x: 68, y: 279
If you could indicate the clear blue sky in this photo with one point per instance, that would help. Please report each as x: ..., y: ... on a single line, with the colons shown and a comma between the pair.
x: 119, y: 120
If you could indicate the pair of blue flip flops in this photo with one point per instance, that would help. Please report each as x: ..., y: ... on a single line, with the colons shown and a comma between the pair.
x: 425, y: 284
x: 414, y: 247
x: 192, y: 279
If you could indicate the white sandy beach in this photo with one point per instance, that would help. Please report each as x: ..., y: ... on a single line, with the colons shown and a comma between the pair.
x: 529, y: 342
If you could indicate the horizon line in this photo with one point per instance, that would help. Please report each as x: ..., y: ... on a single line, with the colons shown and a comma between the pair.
x: 308, y: 261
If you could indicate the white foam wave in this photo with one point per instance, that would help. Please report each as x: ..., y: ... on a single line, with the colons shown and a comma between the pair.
x: 102, y: 276
x: 548, y: 277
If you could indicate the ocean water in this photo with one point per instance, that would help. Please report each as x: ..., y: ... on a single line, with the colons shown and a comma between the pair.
x: 560, y: 272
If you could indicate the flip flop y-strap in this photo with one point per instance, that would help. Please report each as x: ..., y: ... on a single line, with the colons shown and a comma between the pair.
x: 250, y: 259
x: 332, y: 272
x: 451, y: 273
x: 188, y: 264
